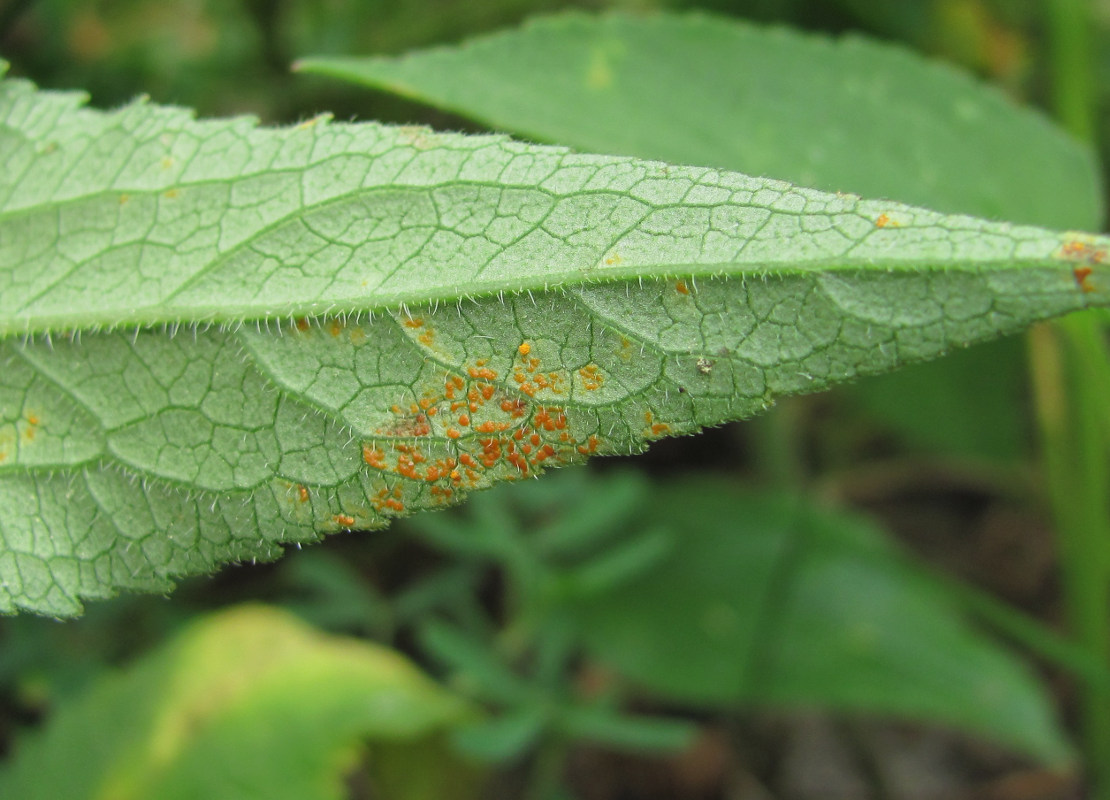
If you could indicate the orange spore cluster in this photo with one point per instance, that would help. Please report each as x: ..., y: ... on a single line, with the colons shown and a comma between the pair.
x: 302, y: 493
x: 884, y: 221
x: 1081, y: 274
x: 483, y: 428
x: 653, y: 428
x: 482, y: 372
x: 1091, y: 256
x: 681, y: 287
x: 1082, y: 251
x: 373, y: 456
x: 389, y: 499
x: 344, y: 520
x: 592, y: 377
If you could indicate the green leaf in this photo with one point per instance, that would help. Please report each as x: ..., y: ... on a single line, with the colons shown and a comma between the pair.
x: 248, y: 702
x: 847, y: 115
x: 502, y: 738
x: 827, y: 615
x: 490, y: 309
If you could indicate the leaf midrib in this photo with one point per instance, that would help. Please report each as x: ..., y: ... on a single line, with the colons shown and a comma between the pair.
x: 232, y: 314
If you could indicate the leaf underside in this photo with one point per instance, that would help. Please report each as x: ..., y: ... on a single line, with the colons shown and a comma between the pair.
x: 221, y: 339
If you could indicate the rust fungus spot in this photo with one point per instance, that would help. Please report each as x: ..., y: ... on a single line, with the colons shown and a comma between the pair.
x: 302, y: 494
x: 167, y: 163
x: 682, y: 288
x: 373, y: 456
x: 335, y: 328
x: 394, y: 505
x: 170, y: 194
x: 33, y: 419
x: 884, y: 221
x: 1081, y: 275
x: 524, y: 348
x: 345, y: 520
x: 613, y: 260
x: 589, y: 447
x: 592, y: 377
x: 414, y: 322
x: 427, y: 338
x: 124, y: 199
x: 302, y: 324
x: 482, y: 372
x: 1076, y: 250
x: 659, y: 428
x: 453, y: 433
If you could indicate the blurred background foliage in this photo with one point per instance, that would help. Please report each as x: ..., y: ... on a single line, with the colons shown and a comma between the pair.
x: 526, y: 600
x: 234, y: 56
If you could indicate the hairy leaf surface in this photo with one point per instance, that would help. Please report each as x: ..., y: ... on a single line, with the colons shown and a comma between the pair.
x: 222, y: 338
x: 844, y: 114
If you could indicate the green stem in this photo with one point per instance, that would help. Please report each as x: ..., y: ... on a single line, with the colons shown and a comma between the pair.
x: 1071, y: 62
x: 777, y: 443
x: 545, y: 781
x: 1075, y: 463
x: 1069, y: 366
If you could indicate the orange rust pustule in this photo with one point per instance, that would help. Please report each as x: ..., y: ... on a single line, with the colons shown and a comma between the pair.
x: 302, y: 494
x: 1081, y: 275
x: 1076, y: 250
x: 592, y: 377
x: 344, y: 519
x: 373, y: 456
x: 406, y: 426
